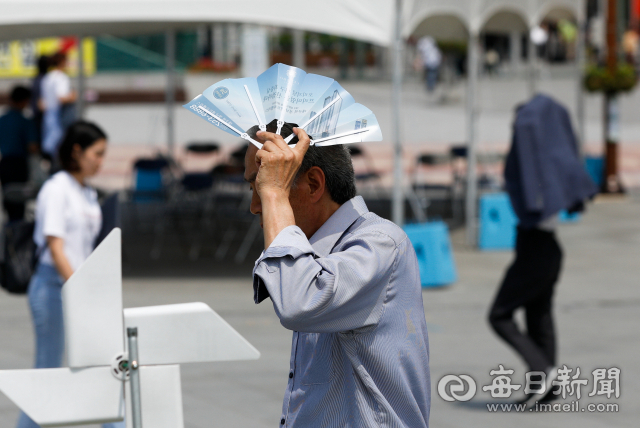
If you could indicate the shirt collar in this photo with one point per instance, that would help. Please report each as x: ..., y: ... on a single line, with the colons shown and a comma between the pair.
x: 82, y: 188
x: 326, y: 237
x: 72, y: 179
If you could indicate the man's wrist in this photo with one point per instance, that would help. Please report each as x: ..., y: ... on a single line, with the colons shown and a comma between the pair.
x: 273, y: 196
x: 277, y: 213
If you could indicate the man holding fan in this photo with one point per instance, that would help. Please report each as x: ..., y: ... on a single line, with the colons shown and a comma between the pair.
x: 345, y: 281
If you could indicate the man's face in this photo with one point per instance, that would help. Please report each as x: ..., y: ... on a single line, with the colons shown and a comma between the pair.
x: 298, y: 198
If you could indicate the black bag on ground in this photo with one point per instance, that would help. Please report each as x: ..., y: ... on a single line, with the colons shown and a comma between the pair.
x: 18, y: 258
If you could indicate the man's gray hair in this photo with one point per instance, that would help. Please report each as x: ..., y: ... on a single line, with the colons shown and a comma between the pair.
x: 334, y: 161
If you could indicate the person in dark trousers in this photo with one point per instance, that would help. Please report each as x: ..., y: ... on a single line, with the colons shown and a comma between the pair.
x: 543, y: 175
x: 17, y: 139
x: 36, y: 92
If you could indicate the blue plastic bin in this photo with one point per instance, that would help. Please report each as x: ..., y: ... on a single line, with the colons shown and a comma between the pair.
x: 148, y: 180
x: 497, y: 222
x: 433, y: 248
x: 565, y: 217
x: 595, y: 166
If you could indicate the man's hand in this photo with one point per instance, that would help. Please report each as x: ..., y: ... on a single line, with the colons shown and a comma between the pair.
x: 278, y: 163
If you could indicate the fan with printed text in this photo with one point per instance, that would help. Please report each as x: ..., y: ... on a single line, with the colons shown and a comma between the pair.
x: 286, y: 94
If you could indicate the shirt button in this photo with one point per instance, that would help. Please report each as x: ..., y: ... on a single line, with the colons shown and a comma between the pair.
x: 282, y: 421
x: 290, y: 375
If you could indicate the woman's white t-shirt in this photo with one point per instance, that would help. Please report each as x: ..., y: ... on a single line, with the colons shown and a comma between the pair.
x: 55, y: 85
x: 68, y: 210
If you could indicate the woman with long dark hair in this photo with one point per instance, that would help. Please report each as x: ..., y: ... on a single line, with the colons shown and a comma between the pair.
x: 68, y: 220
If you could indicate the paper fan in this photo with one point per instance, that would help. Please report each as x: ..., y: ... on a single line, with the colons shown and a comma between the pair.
x: 318, y: 104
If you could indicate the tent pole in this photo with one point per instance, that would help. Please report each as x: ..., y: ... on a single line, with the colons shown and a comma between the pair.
x: 580, y: 65
x: 170, y: 42
x: 81, y: 80
x: 533, y: 67
x: 472, y: 138
x: 397, y: 212
x: 299, y: 54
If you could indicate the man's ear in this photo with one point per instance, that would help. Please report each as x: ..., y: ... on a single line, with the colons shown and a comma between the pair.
x: 316, y: 180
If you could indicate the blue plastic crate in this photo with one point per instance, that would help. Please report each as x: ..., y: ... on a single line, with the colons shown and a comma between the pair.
x: 497, y: 223
x: 433, y: 249
x: 148, y: 180
x: 148, y: 186
x: 595, y: 168
x: 565, y: 217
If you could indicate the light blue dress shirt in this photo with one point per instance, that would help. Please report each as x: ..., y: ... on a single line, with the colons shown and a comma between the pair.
x: 352, y: 296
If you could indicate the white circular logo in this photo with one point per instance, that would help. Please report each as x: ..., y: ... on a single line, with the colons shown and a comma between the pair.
x: 221, y: 93
x: 457, y: 385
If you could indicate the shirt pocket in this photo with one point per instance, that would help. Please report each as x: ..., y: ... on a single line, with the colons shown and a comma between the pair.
x: 315, y: 358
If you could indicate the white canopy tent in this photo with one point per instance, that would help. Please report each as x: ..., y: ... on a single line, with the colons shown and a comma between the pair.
x: 367, y: 20
x: 382, y: 22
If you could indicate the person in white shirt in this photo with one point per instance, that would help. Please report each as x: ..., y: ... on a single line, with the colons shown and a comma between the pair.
x: 68, y: 220
x: 56, y: 93
x: 431, y: 60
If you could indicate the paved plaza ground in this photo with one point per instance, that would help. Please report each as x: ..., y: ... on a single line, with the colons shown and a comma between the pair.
x: 597, y: 314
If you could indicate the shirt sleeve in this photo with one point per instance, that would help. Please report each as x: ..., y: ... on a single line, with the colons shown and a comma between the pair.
x: 53, y: 218
x: 344, y: 291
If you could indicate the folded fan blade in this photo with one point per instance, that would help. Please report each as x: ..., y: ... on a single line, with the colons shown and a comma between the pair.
x: 186, y: 333
x: 61, y: 397
x: 288, y: 92
x: 257, y: 112
x: 92, y: 301
x: 314, y: 117
x: 220, y: 120
x: 343, y: 138
x: 160, y: 396
x: 230, y: 97
x: 325, y: 124
x: 356, y: 124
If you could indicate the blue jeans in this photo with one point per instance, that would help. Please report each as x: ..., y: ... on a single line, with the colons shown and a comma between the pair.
x: 431, y: 78
x: 45, y: 301
x: 52, y: 132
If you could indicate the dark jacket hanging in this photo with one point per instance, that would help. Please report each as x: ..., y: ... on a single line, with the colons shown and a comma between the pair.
x: 543, y: 172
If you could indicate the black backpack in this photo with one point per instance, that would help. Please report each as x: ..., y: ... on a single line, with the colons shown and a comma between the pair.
x: 19, y: 257
x: 19, y: 254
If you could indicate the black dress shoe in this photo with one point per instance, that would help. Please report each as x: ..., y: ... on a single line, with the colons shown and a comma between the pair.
x: 551, y: 395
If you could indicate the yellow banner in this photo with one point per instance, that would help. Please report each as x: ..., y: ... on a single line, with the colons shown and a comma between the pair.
x: 19, y: 58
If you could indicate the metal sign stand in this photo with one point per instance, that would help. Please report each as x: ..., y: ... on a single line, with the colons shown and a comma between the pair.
x: 398, y: 198
x: 136, y: 407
